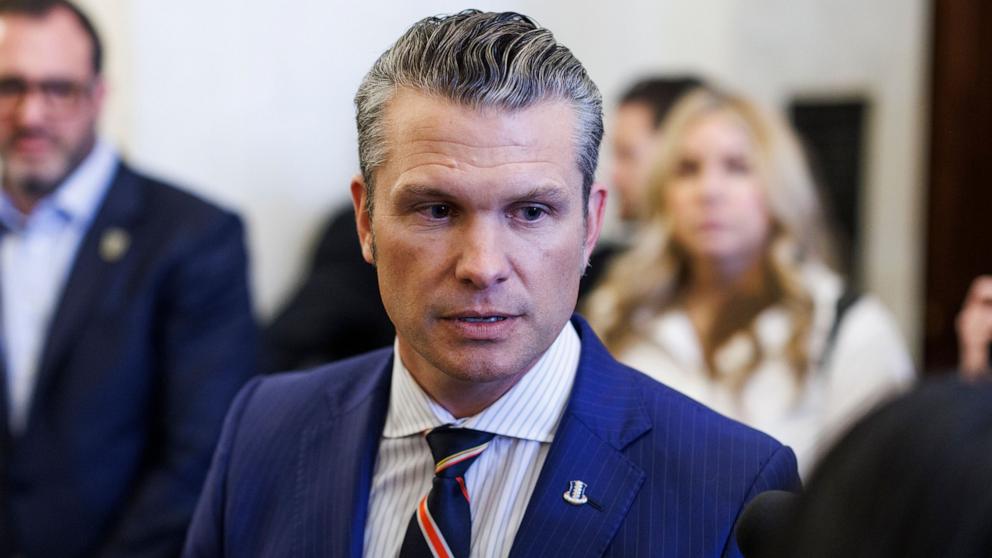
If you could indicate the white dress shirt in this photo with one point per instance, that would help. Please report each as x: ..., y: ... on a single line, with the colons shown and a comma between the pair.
x: 36, y: 255
x: 500, y: 481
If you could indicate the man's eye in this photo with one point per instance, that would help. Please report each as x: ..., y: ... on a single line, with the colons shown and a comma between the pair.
x: 438, y: 211
x: 59, y: 89
x: 532, y: 213
x: 10, y: 87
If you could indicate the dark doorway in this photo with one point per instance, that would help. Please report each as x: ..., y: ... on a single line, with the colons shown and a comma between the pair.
x: 959, y: 203
x: 833, y: 134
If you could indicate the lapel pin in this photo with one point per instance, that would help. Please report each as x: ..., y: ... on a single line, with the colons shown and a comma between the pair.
x: 576, y: 493
x: 114, y: 244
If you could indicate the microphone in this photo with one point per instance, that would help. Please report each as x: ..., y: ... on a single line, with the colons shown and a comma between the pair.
x: 763, y: 522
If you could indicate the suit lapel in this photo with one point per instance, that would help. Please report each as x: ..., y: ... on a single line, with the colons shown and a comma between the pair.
x: 601, y: 419
x: 86, y: 282
x: 337, y: 461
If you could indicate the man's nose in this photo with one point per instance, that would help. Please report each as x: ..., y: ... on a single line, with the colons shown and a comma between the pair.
x: 31, y: 109
x: 482, y: 259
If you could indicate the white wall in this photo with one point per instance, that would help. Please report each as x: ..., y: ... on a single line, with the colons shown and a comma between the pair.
x: 249, y: 101
x: 112, y: 18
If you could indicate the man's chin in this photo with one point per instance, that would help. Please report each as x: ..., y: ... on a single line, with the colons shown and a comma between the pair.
x: 33, y: 182
x: 40, y: 188
x: 484, y: 368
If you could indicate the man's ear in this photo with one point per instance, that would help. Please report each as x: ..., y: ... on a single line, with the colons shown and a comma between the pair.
x: 98, y: 94
x: 362, y: 219
x: 594, y: 220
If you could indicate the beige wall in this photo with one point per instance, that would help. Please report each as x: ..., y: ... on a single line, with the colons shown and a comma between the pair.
x: 111, y: 18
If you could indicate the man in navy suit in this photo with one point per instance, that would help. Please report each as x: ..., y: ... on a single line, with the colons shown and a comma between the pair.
x: 126, y: 321
x: 478, y: 140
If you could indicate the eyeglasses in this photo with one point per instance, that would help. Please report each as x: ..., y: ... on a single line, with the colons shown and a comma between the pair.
x: 61, y: 96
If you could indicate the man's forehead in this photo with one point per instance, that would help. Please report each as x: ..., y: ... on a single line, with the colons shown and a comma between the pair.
x: 418, y: 108
x: 422, y: 128
x: 51, y: 45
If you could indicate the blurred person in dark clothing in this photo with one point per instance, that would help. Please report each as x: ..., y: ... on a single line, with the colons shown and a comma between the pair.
x: 636, y: 124
x: 337, y: 311
x: 912, y: 479
x: 126, y: 320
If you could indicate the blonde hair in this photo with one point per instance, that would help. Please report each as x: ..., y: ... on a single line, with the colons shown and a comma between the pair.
x: 649, y: 277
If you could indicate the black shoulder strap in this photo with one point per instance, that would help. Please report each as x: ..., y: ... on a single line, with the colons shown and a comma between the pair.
x: 847, y: 299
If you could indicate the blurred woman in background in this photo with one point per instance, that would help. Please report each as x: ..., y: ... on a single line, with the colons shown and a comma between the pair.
x: 726, y: 295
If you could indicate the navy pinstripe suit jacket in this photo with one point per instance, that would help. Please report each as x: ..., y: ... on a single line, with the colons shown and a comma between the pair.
x: 668, y: 476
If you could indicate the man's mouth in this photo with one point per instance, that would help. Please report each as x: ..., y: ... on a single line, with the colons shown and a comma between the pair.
x: 482, y: 319
x: 31, y: 143
x: 482, y: 324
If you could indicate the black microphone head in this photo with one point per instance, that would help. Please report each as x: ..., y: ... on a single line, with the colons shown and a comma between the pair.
x: 763, y: 522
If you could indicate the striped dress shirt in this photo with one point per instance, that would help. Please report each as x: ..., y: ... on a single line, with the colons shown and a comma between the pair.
x: 501, y: 480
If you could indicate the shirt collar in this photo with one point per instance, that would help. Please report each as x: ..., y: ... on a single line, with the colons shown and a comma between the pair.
x: 83, y: 190
x: 79, y: 195
x: 530, y: 410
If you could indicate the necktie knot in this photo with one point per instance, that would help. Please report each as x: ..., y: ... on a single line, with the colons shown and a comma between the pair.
x: 455, y: 449
x: 441, y: 525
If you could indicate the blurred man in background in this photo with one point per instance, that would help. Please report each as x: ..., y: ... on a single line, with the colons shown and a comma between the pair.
x: 125, y: 314
x: 636, y: 127
x: 635, y: 136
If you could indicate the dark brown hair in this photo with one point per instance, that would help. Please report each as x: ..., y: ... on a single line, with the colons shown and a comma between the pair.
x: 41, y: 8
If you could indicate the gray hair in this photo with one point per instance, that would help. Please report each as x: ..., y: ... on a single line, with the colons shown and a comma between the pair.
x: 478, y: 59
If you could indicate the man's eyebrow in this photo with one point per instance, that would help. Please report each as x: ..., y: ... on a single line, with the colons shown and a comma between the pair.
x: 551, y: 193
x: 422, y: 191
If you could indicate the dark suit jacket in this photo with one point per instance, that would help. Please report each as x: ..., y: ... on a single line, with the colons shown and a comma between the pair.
x: 292, y: 473
x: 144, y: 354
x: 336, y: 312
x: 599, y: 263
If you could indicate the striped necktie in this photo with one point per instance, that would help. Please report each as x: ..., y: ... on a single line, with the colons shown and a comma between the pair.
x: 441, y: 526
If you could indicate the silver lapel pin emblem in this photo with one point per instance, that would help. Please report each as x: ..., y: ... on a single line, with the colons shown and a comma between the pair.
x: 576, y: 493
x: 113, y: 244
